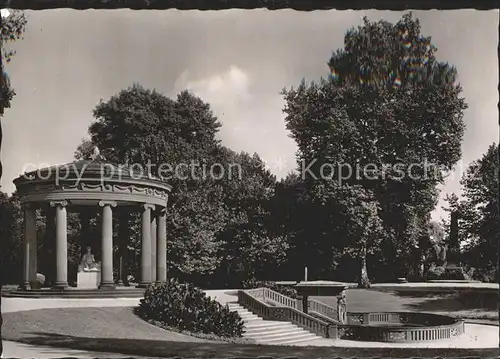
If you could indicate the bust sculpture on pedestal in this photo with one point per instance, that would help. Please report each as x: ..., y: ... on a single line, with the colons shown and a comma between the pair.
x: 88, y: 263
x: 89, y: 272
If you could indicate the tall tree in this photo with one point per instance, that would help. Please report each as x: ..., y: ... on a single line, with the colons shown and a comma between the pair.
x: 388, y: 119
x: 219, y: 197
x: 250, y: 246
x: 172, y: 138
x: 12, y: 26
x: 11, y: 232
x: 479, y: 215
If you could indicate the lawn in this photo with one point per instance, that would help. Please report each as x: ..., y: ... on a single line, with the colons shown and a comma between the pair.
x: 120, y: 330
x: 476, y: 305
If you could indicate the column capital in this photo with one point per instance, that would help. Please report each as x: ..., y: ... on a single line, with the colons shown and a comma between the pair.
x: 145, y: 206
x: 107, y: 203
x: 161, y: 211
x: 62, y: 203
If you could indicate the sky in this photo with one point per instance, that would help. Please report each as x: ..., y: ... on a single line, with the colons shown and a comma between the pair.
x: 236, y: 60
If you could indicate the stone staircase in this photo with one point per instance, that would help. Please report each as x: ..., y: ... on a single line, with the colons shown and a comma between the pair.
x: 275, y: 332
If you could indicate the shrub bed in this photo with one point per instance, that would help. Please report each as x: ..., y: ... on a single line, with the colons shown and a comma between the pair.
x: 280, y: 288
x: 211, y: 337
x: 443, y: 273
x: 188, y: 309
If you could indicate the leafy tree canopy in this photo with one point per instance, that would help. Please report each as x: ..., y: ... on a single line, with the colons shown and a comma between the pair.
x: 389, y: 119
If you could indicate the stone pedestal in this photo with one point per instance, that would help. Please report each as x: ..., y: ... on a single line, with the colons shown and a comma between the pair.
x: 321, y: 288
x: 88, y: 280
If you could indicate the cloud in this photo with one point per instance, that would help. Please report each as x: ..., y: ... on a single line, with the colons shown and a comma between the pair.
x: 250, y: 122
x: 231, y: 86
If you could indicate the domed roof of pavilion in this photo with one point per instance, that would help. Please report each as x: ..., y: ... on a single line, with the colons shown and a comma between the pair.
x: 86, y: 182
x: 82, y: 170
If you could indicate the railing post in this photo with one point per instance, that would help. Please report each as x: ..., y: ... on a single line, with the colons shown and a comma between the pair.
x: 305, y: 304
x: 298, y: 303
x: 332, y: 331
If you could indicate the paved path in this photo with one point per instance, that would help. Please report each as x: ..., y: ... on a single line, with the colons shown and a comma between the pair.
x: 430, y: 285
x: 21, y: 304
x: 417, y: 285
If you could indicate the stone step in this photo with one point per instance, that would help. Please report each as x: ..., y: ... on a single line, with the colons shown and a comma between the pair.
x: 288, y: 339
x: 285, y: 332
x: 237, y: 309
x: 247, y: 314
x: 265, y: 324
x: 251, y: 319
x: 273, y: 332
x: 243, y: 312
x: 269, y: 327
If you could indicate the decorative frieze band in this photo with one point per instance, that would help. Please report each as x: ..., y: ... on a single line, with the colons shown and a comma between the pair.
x: 89, y: 187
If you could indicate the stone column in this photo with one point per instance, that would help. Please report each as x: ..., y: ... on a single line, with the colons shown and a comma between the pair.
x: 29, y: 245
x: 161, y: 246
x: 61, y: 244
x: 153, y: 248
x: 107, y: 245
x: 146, y: 245
x: 33, y: 249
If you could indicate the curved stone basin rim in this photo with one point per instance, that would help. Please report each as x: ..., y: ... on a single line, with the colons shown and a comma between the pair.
x: 363, y: 326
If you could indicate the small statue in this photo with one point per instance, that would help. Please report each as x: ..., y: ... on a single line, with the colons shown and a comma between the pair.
x: 89, y: 263
x: 96, y: 155
x: 342, y: 307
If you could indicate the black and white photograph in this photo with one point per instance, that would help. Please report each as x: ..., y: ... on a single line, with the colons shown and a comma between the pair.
x: 249, y: 183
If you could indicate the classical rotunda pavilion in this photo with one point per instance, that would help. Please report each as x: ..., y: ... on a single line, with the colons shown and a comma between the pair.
x: 94, y: 185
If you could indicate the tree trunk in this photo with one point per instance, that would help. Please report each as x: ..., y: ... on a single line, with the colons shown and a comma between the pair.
x: 364, y: 281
